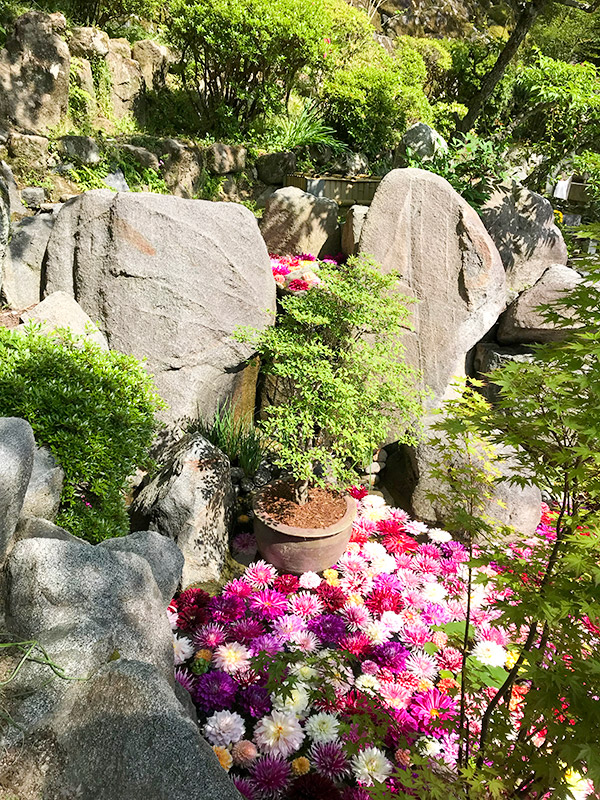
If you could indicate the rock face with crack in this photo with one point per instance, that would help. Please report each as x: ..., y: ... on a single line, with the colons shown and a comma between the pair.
x: 168, y: 280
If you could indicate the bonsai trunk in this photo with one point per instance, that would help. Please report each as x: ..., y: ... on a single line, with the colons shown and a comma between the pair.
x: 301, y: 492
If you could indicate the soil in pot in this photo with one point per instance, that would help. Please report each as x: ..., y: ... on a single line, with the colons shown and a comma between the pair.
x: 323, y: 508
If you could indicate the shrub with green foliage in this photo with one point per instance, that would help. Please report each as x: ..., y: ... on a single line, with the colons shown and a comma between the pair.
x: 305, y: 128
x: 94, y: 409
x: 337, y: 358
x: 103, y: 12
x: 241, y: 58
x: 373, y: 99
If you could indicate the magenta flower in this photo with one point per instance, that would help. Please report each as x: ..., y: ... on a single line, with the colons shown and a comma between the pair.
x: 431, y: 706
x: 271, y: 776
x: 329, y: 760
x: 269, y: 603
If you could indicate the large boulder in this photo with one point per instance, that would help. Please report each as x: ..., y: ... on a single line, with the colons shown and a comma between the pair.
x: 88, y: 43
x: 419, y: 227
x: 168, y: 280
x: 163, y: 555
x: 191, y: 501
x: 85, y: 604
x: 522, y: 225
x: 222, y: 159
x: 34, y: 73
x: 183, y: 168
x: 61, y: 310
x: 522, y: 323
x: 22, y: 280
x: 127, y: 81
x: 419, y: 140
x: 297, y: 222
x: 153, y: 59
x: 352, y: 229
x: 29, y: 152
x: 17, y: 447
x: 273, y: 167
x: 81, y: 148
x: 42, y: 498
x: 121, y: 734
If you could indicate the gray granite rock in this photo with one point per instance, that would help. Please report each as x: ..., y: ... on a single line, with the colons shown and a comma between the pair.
x: 17, y: 447
x: 298, y: 222
x: 45, y: 486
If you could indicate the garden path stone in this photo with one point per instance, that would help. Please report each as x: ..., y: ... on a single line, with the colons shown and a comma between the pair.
x: 522, y: 323
x: 191, y: 502
x: 168, y: 280
x: 45, y: 486
x: 165, y: 558
x: 297, y: 222
x: 522, y: 225
x: 17, y: 447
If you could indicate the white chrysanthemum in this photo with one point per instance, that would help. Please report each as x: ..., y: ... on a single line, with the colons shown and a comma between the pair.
x: 377, y: 632
x: 232, y: 657
x: 393, y: 622
x: 182, y: 649
x: 309, y: 580
x: 367, y: 683
x: 433, y: 592
x: 371, y: 765
x: 279, y: 734
x: 373, y: 550
x: 304, y: 671
x: 490, y: 653
x: 293, y: 702
x: 172, y: 616
x: 322, y: 727
x: 429, y: 747
x: 439, y: 536
x: 224, y: 727
x: 373, y: 501
x: 478, y: 595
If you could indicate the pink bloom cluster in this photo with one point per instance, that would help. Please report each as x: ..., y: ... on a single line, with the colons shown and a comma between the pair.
x: 380, y: 630
x: 296, y: 273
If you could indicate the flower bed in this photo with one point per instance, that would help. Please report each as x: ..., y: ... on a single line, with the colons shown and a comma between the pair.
x: 325, y: 686
x: 297, y: 273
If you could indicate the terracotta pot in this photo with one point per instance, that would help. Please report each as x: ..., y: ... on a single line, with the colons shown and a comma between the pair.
x: 299, y: 550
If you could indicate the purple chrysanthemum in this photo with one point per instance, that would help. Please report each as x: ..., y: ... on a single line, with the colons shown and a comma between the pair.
x: 269, y: 603
x: 312, y: 786
x: 391, y: 655
x: 329, y: 628
x: 245, y: 630
x: 255, y: 700
x: 266, y: 644
x: 271, y: 776
x: 185, y: 679
x: 355, y: 793
x: 227, y: 609
x: 215, y: 691
x: 329, y: 759
x: 245, y: 787
x: 211, y: 635
x: 436, y: 614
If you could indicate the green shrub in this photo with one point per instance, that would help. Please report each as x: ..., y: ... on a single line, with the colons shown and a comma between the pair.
x: 337, y: 358
x: 94, y: 409
x: 103, y: 12
x: 305, y: 128
x: 241, y: 58
x: 372, y: 100
x: 436, y: 57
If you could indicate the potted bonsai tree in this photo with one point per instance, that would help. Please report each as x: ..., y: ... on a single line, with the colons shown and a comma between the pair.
x: 334, y: 360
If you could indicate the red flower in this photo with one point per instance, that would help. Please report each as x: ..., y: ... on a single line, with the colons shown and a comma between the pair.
x: 358, y: 492
x: 298, y: 285
x: 288, y: 584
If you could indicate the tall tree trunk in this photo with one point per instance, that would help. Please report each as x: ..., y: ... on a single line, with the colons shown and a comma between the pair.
x: 524, y: 23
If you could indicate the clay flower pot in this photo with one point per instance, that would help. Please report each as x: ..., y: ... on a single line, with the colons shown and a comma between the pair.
x: 298, y: 550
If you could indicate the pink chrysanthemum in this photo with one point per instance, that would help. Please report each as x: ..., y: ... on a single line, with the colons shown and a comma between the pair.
x: 356, y: 617
x: 426, y: 564
x: 260, y: 574
x: 269, y: 603
x: 428, y: 549
x: 358, y: 644
x: 288, y: 625
x: 358, y: 492
x: 416, y: 528
x: 431, y: 706
x: 305, y: 605
x: 185, y: 679
x: 245, y: 630
x: 231, y: 657
x: 309, y: 580
x: 362, y: 530
x: 384, y: 599
x: 489, y: 633
x: 211, y: 636
x: 237, y: 588
x: 449, y: 658
x: 395, y: 695
x: 351, y: 563
x: 305, y: 641
x: 416, y: 634
x: 421, y: 666
x: 409, y: 579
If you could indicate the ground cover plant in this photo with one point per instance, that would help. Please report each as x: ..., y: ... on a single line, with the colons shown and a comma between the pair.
x: 94, y: 409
